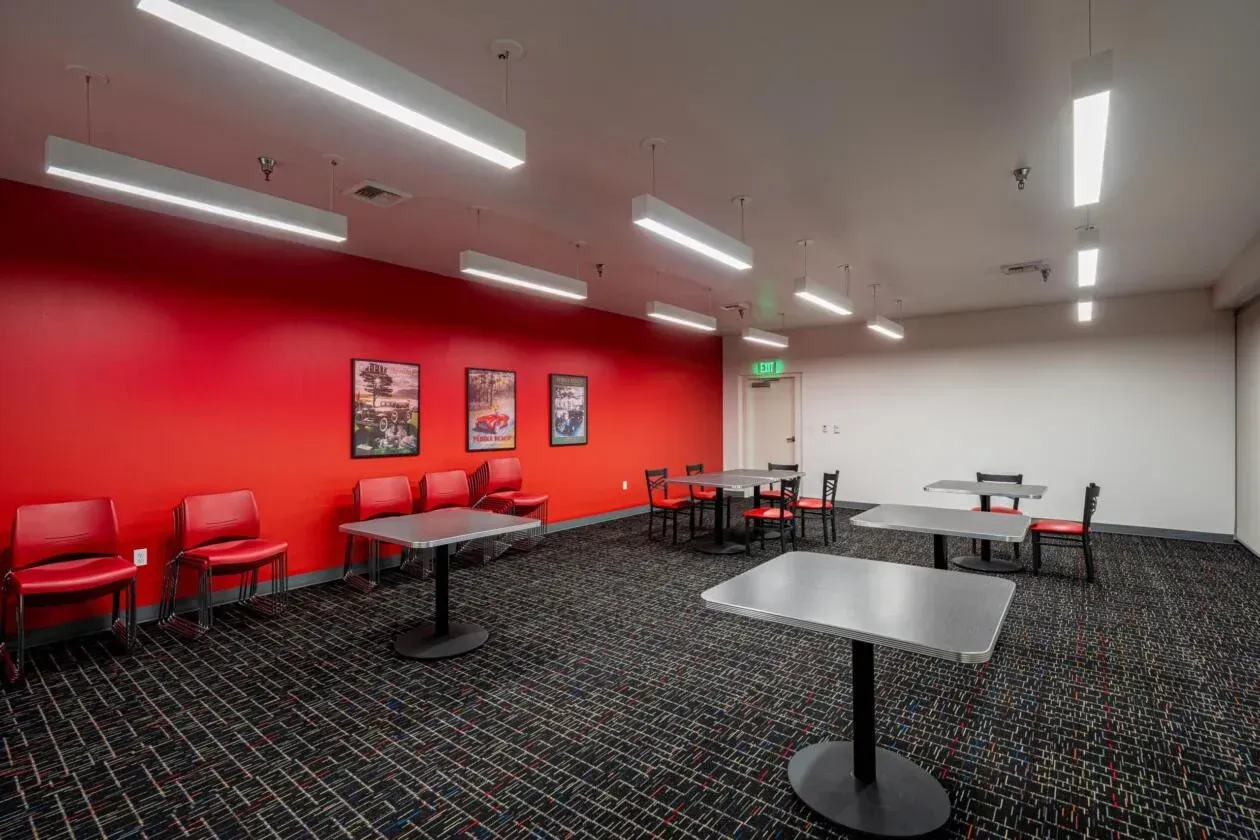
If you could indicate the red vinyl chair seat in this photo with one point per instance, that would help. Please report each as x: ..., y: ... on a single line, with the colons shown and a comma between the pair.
x: 704, y: 494
x: 768, y: 513
x: 1000, y: 509
x: 521, y: 498
x: 1058, y: 526
x: 675, y: 503
x: 83, y: 575
x: 771, y: 494
x: 232, y: 554
x: 813, y: 504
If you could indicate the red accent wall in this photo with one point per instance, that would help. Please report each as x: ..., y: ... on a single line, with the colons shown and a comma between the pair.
x: 146, y: 358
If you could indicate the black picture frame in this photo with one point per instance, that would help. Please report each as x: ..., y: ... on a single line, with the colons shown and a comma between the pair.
x: 376, y: 430
x: 489, y: 420
x: 568, y: 380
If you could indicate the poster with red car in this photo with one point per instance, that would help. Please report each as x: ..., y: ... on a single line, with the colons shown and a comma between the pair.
x: 491, y: 403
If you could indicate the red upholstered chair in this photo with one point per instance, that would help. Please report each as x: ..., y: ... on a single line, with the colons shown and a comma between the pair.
x: 63, y: 553
x: 1067, y: 533
x: 375, y: 498
x: 781, y: 515
x: 219, y: 534
x: 1013, y: 507
x: 497, y: 484
x: 448, y: 489
x: 705, y: 498
x: 824, y: 508
x: 661, y: 504
x: 772, y: 494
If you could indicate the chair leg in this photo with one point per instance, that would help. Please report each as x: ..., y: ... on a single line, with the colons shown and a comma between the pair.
x: 1016, y: 551
x: 802, y: 532
x: 651, y: 514
x: 17, y: 671
x: 1036, y: 548
x: 748, y: 526
x: 1089, y: 559
x: 691, y: 523
x: 6, y: 660
x: 783, y: 536
x: 131, y: 614
x: 803, y: 518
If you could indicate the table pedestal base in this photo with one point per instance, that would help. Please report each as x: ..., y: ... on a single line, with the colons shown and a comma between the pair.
x: 718, y: 548
x: 979, y: 564
x: 903, y: 801
x: 420, y: 642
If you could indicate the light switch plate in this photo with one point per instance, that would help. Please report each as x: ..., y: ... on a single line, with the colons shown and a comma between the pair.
x: 625, y: 485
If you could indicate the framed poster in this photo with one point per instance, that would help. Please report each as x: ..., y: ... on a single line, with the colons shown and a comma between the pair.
x: 568, y: 410
x: 384, y: 409
x: 490, y: 399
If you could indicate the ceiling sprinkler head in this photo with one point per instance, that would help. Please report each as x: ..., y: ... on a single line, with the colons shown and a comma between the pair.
x: 268, y: 165
x: 1021, y: 176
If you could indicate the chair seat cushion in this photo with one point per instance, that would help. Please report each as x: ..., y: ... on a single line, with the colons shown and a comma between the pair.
x: 768, y: 513
x: 704, y: 494
x: 1058, y: 526
x: 1001, y: 509
x: 521, y: 498
x: 236, y: 553
x: 83, y: 575
x: 813, y: 504
x: 672, y: 503
x: 771, y: 494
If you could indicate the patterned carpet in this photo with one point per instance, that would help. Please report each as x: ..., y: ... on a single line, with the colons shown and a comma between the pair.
x: 608, y: 703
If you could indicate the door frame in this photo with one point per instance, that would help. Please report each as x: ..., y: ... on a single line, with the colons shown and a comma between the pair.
x: 741, y: 402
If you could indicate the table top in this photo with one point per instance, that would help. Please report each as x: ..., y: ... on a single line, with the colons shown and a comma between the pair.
x: 735, y: 479
x: 949, y: 615
x: 950, y: 522
x: 438, y: 527
x: 989, y: 488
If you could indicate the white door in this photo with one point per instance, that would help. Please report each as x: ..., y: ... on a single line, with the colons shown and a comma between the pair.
x: 770, y: 422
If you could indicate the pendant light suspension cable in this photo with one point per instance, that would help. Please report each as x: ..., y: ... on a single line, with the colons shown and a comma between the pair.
x: 848, y: 281
x: 87, y: 104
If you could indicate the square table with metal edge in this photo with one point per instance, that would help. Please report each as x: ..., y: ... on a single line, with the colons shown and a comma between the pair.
x: 729, y: 480
x: 945, y: 522
x: 986, y: 490
x: 439, y: 529
x: 947, y: 614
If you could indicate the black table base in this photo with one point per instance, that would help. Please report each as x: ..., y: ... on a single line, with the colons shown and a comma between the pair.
x: 985, y: 562
x: 861, y: 787
x: 719, y: 545
x: 440, y: 638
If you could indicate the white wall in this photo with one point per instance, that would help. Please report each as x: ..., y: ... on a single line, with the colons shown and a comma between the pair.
x: 1249, y: 426
x: 1140, y: 401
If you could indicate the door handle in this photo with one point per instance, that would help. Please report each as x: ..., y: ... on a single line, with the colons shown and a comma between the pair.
x: 792, y: 439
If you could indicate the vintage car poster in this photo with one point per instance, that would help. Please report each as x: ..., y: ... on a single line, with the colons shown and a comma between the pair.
x: 491, y: 404
x: 384, y: 409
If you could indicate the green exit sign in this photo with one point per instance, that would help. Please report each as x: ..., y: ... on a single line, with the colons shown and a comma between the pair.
x: 767, y: 367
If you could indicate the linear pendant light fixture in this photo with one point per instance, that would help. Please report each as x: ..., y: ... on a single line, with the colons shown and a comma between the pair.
x: 281, y: 39
x: 1091, y: 102
x: 1087, y: 246
x: 769, y: 339
x: 669, y: 313
x: 499, y: 271
x: 1084, y: 311
x: 884, y: 326
x: 819, y: 295
x: 141, y: 179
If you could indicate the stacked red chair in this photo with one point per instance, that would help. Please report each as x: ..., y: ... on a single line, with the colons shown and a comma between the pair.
x: 220, y: 534
x: 64, y: 553
x: 497, y: 486
x: 451, y: 489
x: 1065, y: 532
x: 375, y: 498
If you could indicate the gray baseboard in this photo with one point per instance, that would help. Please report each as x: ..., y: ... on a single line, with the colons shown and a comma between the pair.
x: 583, y: 521
x: 1164, y: 533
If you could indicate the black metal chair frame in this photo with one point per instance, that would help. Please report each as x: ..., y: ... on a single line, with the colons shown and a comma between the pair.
x: 826, y: 514
x: 702, y: 505
x: 657, y: 480
x: 785, y: 504
x: 1081, y: 541
x: 772, y: 493
x: 1002, y: 478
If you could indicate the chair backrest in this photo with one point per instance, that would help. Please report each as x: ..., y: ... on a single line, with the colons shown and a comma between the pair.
x: 656, y: 482
x: 1091, y: 504
x: 830, y: 480
x: 386, y: 496
x: 790, y: 467
x: 505, y: 474
x: 1003, y: 478
x: 695, y: 469
x: 444, y: 490
x: 215, y: 517
x: 791, y: 489
x: 63, y: 531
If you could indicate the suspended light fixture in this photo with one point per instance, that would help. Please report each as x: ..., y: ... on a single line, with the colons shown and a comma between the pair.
x: 769, y: 339
x: 819, y: 295
x: 650, y: 213
x: 281, y: 39
x: 168, y: 187
x: 1087, y: 247
x: 1084, y: 311
x: 662, y: 311
x: 1091, y: 102
x: 498, y: 271
x: 884, y: 326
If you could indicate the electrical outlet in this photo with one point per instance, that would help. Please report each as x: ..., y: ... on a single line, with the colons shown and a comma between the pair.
x: 625, y: 485
x: 140, y: 556
x: 824, y: 428
x: 835, y: 430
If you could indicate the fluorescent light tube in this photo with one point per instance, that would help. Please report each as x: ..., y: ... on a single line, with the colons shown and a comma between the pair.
x: 1091, y: 101
x: 281, y: 39
x: 650, y: 213
x: 769, y: 339
x: 139, y: 178
x: 485, y: 267
x: 886, y: 327
x: 813, y: 292
x: 1087, y: 257
x: 1084, y: 311
x: 682, y: 317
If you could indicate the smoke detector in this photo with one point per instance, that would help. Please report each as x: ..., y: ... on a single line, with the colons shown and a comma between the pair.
x: 377, y: 194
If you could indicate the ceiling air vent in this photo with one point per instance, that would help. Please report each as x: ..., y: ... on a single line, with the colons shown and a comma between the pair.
x: 377, y: 194
x: 1036, y: 266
